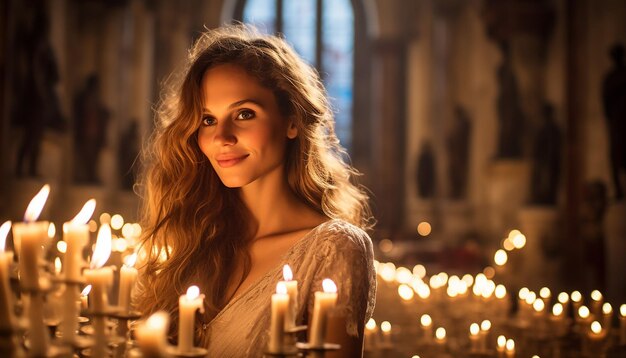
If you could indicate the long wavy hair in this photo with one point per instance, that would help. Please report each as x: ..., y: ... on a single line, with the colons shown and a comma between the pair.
x: 195, y: 228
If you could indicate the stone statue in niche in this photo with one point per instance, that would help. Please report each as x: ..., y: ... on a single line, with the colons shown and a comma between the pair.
x: 509, y: 110
x: 458, y: 148
x: 35, y: 104
x: 614, y: 103
x: 128, y: 152
x: 425, y: 175
x: 90, y: 128
x: 593, y: 208
x: 546, y: 160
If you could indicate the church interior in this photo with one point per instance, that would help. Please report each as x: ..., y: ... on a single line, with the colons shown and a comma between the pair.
x: 491, y: 135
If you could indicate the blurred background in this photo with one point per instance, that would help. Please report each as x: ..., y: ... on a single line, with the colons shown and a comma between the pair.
x: 467, y: 118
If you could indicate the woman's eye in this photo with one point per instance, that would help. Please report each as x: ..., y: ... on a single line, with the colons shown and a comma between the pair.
x: 245, y: 114
x: 208, y: 121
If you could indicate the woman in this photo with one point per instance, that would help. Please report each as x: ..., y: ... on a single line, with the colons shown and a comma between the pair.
x: 244, y: 175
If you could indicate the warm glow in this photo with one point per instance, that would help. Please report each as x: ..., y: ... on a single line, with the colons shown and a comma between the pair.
x: 385, y: 327
x: 607, y: 309
x: 501, y: 341
x: 117, y: 221
x: 500, y: 257
x: 596, y: 295
x: 545, y: 292
x: 452, y: 291
x: 129, y: 261
x: 287, y: 273
x: 563, y: 297
x: 500, y: 291
x: 514, y: 233
x: 507, y: 244
x: 576, y: 296
x: 136, y: 230
x: 385, y: 245
x: 443, y: 277
x: 557, y: 309
x: 105, y: 218
x: 405, y: 292
x: 538, y: 305
x: 36, y: 204
x: 531, y: 297
x: 403, y: 275
x: 193, y: 292
x: 419, y: 271
x: 424, y: 228
x: 52, y: 230
x: 388, y: 272
x: 102, y: 251
x: 157, y: 321
x: 485, y: 325
x: 596, y: 327
x: 474, y: 329
x: 519, y: 241
x: 435, y: 282
x: 281, y: 288
x: 329, y: 286
x: 86, y: 290
x: 488, y: 288
x: 425, y: 320
x: 440, y: 333
x: 93, y: 225
x: 423, y: 291
x: 83, y: 216
x: 468, y: 279
x: 510, y: 345
x: 523, y: 292
x: 583, y: 312
x: 120, y: 244
x: 622, y: 310
x: 370, y: 325
x: 489, y: 272
x: 57, y: 265
x: 4, y: 232
x: 127, y: 230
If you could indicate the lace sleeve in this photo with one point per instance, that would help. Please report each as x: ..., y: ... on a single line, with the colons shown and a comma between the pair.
x: 345, y: 255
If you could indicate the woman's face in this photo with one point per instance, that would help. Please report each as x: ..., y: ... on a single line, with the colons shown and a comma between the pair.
x: 242, y: 131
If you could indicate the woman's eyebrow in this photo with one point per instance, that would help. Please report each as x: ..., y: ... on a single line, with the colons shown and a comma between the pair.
x: 239, y: 103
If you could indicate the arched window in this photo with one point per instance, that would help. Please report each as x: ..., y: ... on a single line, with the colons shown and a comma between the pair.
x: 322, y: 32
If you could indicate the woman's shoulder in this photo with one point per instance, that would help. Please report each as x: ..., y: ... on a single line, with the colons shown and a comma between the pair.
x: 339, y: 234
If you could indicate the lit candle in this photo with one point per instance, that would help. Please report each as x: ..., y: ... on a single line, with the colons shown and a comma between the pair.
x: 385, y: 328
x: 485, y: 326
x: 28, y: 238
x: 128, y: 276
x: 151, y: 335
x: 596, y: 303
x: 427, y: 327
x: 6, y: 296
x: 577, y: 301
x: 556, y: 319
x: 510, y: 348
x: 545, y: 295
x: 324, y: 302
x: 292, y: 291
x: 622, y: 324
x: 371, y: 330
x: 596, y: 337
x: 100, y: 277
x: 474, y: 337
x: 84, y: 298
x: 607, y: 312
x: 501, y: 346
x: 563, y: 299
x: 188, y: 304
x: 280, y: 306
x: 440, y: 337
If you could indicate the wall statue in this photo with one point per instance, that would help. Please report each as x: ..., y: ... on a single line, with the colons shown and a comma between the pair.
x: 509, y: 110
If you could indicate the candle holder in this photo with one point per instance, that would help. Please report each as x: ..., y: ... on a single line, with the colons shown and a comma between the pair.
x: 194, y: 352
x: 316, y: 351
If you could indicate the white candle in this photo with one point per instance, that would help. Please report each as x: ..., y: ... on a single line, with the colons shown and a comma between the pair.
x: 151, y: 335
x: 385, y: 328
x: 84, y: 298
x: 6, y: 296
x: 292, y: 291
x: 607, y: 312
x: 128, y: 276
x: 596, y: 303
x: 440, y: 337
x: 474, y: 337
x: 324, y: 302
x: 485, y: 326
x: 371, y: 329
x: 510, y: 348
x: 427, y: 327
x: 100, y: 278
x: 187, y: 306
x: 280, y: 306
x: 501, y: 346
x: 622, y: 324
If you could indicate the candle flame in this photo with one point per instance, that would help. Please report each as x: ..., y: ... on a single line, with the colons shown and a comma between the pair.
x: 576, y: 296
x: 500, y: 291
x: 57, y: 265
x: 287, y: 274
x: 557, y: 309
x: 485, y: 325
x: 474, y: 329
x: 385, y: 326
x: 622, y: 310
x: 538, y: 305
x: 52, y: 230
x: 500, y: 257
x: 62, y: 246
x: 596, y: 327
x: 425, y: 320
x: 371, y: 324
x: 86, y: 291
x: 596, y: 295
x: 130, y: 260
x: 607, y: 309
x: 583, y: 312
x: 440, y: 333
x: 519, y: 241
x: 329, y: 286
x: 158, y: 320
x: 510, y: 345
x: 501, y: 341
x: 102, y: 251
x: 36, y: 204
x: 405, y: 292
x: 4, y: 232
x: 523, y: 292
x: 281, y: 288
x: 193, y: 292
x: 545, y: 292
x: 563, y: 297
x: 83, y: 216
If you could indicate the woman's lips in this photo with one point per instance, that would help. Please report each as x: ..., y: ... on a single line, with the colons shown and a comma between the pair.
x: 230, y: 161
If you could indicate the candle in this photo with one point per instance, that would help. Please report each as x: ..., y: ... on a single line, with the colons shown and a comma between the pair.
x: 563, y: 299
x: 28, y: 238
x: 84, y: 298
x: 100, y: 277
x: 622, y: 324
x: 151, y: 335
x: 596, y: 336
x: 556, y: 319
x: 128, y: 276
x: 324, y: 302
x: 501, y: 346
x: 510, y: 348
x: 485, y: 326
x: 427, y: 328
x: 474, y: 337
x: 607, y: 312
x: 187, y: 306
x: 371, y: 329
x: 6, y: 296
x: 596, y: 303
x: 440, y: 337
x: 577, y: 301
x: 292, y: 291
x: 280, y: 306
x: 385, y: 328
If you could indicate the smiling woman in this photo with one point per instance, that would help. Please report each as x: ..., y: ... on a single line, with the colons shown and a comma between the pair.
x: 244, y: 175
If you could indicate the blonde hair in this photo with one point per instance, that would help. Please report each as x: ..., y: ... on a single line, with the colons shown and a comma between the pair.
x: 195, y: 227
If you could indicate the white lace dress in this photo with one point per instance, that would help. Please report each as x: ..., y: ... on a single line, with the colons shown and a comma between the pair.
x: 336, y: 250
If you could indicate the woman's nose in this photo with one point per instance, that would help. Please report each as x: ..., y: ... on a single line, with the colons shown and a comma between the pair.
x: 224, y: 134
